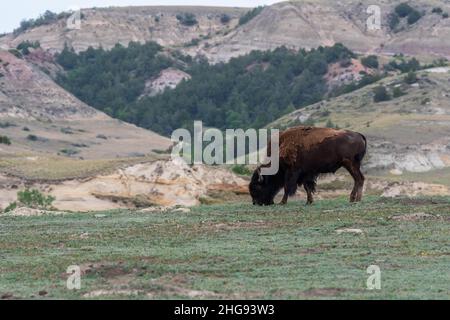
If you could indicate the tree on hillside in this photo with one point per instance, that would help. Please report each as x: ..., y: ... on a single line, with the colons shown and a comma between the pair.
x: 381, y: 94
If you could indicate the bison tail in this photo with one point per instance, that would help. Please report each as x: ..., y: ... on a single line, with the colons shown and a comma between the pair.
x: 361, y: 155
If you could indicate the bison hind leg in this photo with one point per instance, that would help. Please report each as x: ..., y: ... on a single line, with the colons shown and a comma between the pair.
x: 310, y: 188
x: 354, y: 168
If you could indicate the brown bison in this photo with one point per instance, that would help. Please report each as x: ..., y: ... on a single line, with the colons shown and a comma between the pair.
x: 305, y: 153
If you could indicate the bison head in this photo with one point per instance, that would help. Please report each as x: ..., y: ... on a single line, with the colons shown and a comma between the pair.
x: 262, y: 189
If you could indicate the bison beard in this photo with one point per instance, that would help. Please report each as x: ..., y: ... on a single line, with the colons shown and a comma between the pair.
x: 305, y: 153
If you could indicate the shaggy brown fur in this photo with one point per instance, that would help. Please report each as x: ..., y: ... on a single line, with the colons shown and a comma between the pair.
x: 305, y: 153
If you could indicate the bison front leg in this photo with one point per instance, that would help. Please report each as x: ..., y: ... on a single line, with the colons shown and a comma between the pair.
x: 290, y: 185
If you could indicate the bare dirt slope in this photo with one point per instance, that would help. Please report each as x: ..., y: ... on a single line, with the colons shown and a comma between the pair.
x: 309, y: 24
x: 298, y: 24
x: 108, y: 26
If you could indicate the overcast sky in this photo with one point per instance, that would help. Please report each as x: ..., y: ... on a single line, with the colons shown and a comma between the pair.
x: 12, y: 12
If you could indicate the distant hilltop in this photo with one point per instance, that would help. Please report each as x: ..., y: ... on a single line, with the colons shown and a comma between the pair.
x: 219, y: 33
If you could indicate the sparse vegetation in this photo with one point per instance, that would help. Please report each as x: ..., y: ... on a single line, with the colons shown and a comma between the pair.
x: 295, y: 244
x: 48, y: 17
x: 401, y: 11
x: 56, y: 168
x: 242, y: 170
x: 250, y: 15
x: 366, y: 80
x: 405, y: 66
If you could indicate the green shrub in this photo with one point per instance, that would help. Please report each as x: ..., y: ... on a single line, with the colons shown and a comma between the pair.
x: 406, y: 66
x: 414, y: 16
x: 12, y: 206
x: 224, y: 18
x: 242, y: 170
x: 410, y: 78
x: 24, y: 46
x: 194, y: 42
x: 370, y: 62
x: 7, y: 124
x: 381, y: 94
x: 32, y: 137
x: 16, y: 53
x: 403, y: 10
x: 69, y: 152
x: 5, y: 140
x: 445, y: 15
x: 437, y: 10
x: 187, y: 19
x: 67, y: 130
x: 31, y: 198
x: 393, y: 21
x: 398, y: 92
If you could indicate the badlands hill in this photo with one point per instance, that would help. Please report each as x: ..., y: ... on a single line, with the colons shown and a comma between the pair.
x: 296, y: 24
x: 409, y: 133
x: 39, y: 116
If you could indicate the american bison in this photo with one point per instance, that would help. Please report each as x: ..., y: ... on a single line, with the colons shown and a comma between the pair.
x: 305, y: 153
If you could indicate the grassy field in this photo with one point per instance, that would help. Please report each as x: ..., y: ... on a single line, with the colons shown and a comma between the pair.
x: 233, y: 251
x: 35, y: 167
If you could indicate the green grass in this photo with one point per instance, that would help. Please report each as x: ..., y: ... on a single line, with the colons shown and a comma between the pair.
x: 233, y: 251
